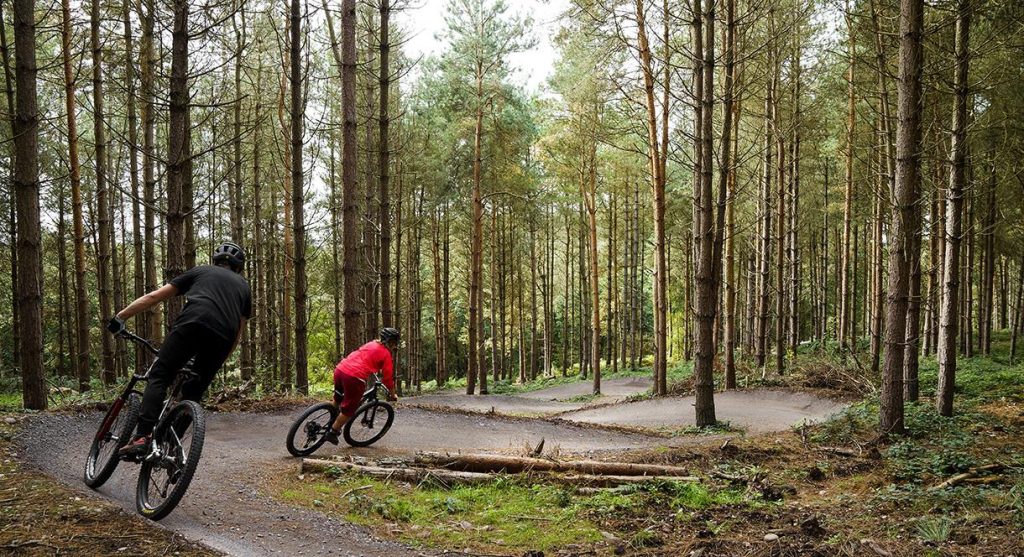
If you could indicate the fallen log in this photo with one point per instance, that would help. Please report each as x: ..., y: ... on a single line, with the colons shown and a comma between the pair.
x: 971, y: 476
x: 410, y: 475
x: 840, y: 451
x: 451, y: 477
x: 608, y: 480
x: 519, y: 464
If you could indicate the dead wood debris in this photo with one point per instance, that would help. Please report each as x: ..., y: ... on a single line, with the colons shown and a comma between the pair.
x: 973, y: 476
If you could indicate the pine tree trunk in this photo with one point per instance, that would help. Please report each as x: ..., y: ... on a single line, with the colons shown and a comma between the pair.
x: 350, y: 203
x: 765, y: 221
x: 11, y: 202
x: 590, y: 202
x: 152, y: 318
x: 133, y: 172
x: 877, y: 274
x: 730, y: 111
x: 398, y: 361
x: 336, y: 307
x: 948, y: 318
x: 780, y: 245
x: 906, y: 214
x: 794, y: 205
x: 384, y: 166
x: 533, y: 299
x: 439, y: 341
x: 102, y: 203
x: 178, y: 154
x: 705, y: 230
x: 235, y: 187
x: 658, y: 193
x: 285, y: 286
x: 26, y: 192
x: 65, y: 345
x: 845, y: 302
x: 476, y: 248
x: 1018, y: 313
x: 74, y: 173
x: 298, y: 215
x: 989, y: 267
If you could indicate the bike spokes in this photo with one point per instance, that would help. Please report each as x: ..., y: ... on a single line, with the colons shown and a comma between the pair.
x: 316, y: 426
x: 174, y: 454
x: 309, y: 431
x: 369, y: 424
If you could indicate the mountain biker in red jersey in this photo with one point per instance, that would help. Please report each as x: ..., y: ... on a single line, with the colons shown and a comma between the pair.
x: 218, y: 303
x: 351, y: 373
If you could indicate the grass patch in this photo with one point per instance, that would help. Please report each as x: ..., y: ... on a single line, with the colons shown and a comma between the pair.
x: 720, y: 428
x: 10, y: 402
x: 583, y: 399
x: 500, y: 515
x: 504, y: 515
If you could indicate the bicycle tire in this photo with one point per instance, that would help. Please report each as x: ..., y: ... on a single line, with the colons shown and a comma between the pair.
x: 97, y: 473
x: 294, y: 429
x: 372, y: 408
x: 195, y: 450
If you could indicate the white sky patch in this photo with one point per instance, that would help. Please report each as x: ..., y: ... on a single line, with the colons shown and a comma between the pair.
x: 424, y: 21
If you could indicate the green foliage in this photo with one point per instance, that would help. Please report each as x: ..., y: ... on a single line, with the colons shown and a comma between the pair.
x: 980, y: 379
x: 934, y: 530
x: 518, y: 515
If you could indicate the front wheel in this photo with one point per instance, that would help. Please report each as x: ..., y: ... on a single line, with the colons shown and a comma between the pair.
x: 310, y: 429
x: 168, y: 469
x: 115, y: 431
x: 370, y: 423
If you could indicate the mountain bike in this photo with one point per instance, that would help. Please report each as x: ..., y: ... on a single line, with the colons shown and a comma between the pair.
x: 173, y: 453
x: 372, y: 421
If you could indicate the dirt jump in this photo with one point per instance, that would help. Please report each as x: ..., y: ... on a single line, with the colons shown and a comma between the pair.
x: 226, y: 509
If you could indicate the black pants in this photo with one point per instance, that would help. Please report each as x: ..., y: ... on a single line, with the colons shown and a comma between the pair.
x: 184, y: 342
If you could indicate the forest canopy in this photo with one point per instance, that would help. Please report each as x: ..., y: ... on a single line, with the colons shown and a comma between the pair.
x: 722, y: 182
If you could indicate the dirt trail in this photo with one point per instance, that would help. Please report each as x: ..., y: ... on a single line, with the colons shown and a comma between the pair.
x: 752, y: 411
x: 542, y: 402
x: 223, y: 507
x: 225, y: 510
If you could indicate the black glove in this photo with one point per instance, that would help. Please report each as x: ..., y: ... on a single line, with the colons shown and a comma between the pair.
x: 116, y: 325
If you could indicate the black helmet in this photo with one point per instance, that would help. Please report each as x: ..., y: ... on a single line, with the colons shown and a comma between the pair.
x: 232, y: 254
x: 389, y: 335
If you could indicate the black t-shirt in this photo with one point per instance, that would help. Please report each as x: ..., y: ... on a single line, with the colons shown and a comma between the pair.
x: 216, y: 297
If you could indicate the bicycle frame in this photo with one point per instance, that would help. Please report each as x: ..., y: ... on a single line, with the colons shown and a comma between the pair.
x: 130, y: 387
x: 371, y: 389
x: 370, y: 394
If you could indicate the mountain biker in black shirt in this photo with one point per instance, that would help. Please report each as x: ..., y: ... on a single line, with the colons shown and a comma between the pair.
x: 218, y: 302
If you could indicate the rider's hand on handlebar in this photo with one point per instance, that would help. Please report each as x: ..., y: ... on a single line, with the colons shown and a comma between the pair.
x: 116, y: 325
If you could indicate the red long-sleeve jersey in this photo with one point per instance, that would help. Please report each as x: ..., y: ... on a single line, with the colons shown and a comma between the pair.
x: 370, y: 358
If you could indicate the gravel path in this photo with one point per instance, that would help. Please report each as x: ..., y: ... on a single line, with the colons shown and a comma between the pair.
x: 225, y: 510
x: 753, y: 411
x: 542, y: 402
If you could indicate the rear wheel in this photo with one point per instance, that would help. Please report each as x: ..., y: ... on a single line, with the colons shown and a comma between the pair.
x: 309, y: 431
x: 370, y: 423
x: 165, y: 476
x: 115, y: 431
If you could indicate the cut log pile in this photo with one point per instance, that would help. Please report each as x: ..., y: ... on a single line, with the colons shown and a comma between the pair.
x: 464, y: 469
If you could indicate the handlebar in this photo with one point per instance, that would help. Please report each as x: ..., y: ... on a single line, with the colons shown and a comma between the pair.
x: 138, y: 340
